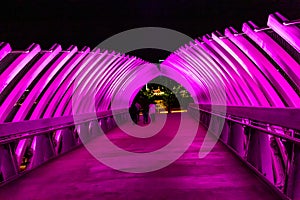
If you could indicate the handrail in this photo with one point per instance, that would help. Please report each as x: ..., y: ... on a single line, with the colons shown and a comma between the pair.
x: 248, y: 113
x: 266, y: 115
x: 246, y: 132
x: 21, y: 141
x: 16, y: 130
x: 291, y: 22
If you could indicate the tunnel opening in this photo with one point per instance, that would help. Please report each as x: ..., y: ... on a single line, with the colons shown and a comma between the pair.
x: 162, y: 95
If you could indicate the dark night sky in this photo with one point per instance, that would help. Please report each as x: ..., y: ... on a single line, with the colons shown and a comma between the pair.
x: 89, y: 22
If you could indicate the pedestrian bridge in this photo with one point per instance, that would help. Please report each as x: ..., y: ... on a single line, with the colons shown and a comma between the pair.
x: 65, y: 130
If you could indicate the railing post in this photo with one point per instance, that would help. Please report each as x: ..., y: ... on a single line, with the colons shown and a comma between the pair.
x: 260, y: 153
x: 94, y: 128
x: 264, y: 141
x: 104, y: 125
x: 67, y: 140
x: 225, y: 132
x: 83, y: 132
x: 109, y: 123
x: 7, y: 162
x: 113, y: 122
x: 294, y: 190
x: 236, y: 139
x: 28, y: 144
x: 43, y: 150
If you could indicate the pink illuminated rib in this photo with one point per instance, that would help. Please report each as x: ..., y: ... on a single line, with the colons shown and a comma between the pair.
x: 173, y: 64
x: 232, y: 97
x: 4, y: 50
x: 18, y: 65
x: 87, y: 87
x: 180, y: 64
x: 115, y: 81
x: 131, y: 83
x: 123, y: 81
x: 102, y: 83
x: 256, y: 73
x: 26, y: 80
x: 198, y: 70
x: 269, y: 70
x: 242, y: 69
x: 48, y: 95
x: 42, y: 83
x: 82, y: 80
x: 203, y: 54
x: 276, y: 52
x: 77, y: 78
x: 291, y: 33
x: 238, y: 95
x: 216, y: 74
x: 232, y: 63
x: 183, y: 79
x: 66, y: 88
x: 90, y: 83
x: 243, y: 89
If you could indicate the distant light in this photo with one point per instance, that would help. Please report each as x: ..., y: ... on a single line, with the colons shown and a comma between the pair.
x: 178, y: 111
x: 173, y: 111
x: 163, y: 112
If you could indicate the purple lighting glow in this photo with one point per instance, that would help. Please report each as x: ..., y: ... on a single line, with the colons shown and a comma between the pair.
x: 240, y: 83
x: 248, y: 77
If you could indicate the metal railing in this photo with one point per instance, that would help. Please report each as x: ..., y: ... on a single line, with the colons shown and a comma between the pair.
x: 28, y: 144
x: 265, y: 139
